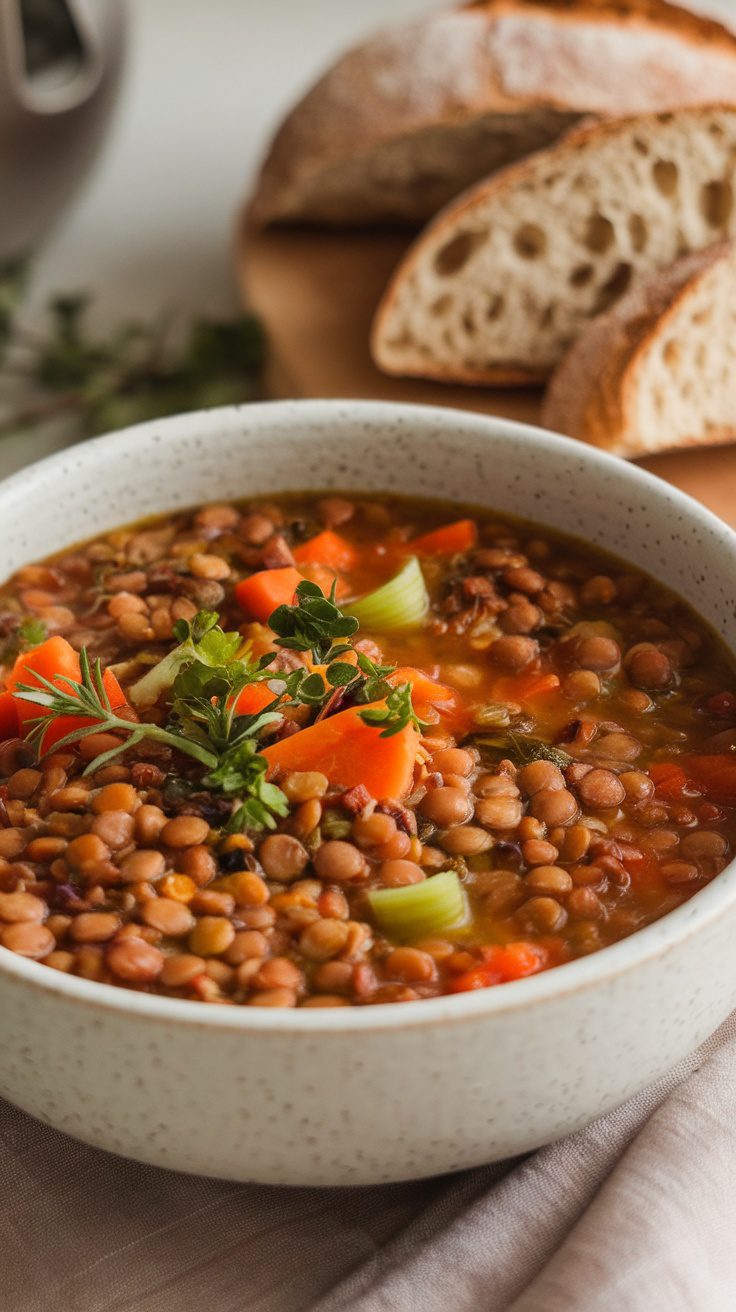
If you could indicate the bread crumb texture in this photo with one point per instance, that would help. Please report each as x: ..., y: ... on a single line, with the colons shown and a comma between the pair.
x: 507, y: 276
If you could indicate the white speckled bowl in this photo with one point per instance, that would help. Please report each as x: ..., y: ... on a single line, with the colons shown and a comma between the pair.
x: 388, y: 1092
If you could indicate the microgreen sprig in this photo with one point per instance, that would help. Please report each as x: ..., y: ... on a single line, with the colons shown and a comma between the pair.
x: 315, y: 624
x: 397, y: 714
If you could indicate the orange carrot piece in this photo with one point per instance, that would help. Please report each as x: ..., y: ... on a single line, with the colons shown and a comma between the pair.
x: 525, y: 687
x: 9, y: 723
x: 54, y: 658
x: 428, y: 695
x: 351, y: 752
x: 261, y: 593
x: 501, y: 965
x: 253, y: 698
x: 669, y: 780
x: 330, y: 549
x: 451, y: 538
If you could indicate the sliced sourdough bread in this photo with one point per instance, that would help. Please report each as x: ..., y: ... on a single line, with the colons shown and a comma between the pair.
x: 411, y: 117
x: 496, y: 289
x: 658, y: 370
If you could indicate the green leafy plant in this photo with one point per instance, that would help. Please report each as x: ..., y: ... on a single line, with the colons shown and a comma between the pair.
x: 138, y: 371
x: 315, y: 624
x: 202, y: 721
x: 201, y: 680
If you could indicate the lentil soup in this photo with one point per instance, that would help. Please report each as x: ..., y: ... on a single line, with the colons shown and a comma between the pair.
x: 330, y: 752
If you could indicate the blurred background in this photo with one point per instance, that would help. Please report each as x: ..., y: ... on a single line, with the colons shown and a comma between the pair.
x: 202, y: 86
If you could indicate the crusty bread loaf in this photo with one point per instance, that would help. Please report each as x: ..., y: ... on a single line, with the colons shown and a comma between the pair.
x: 496, y: 289
x: 658, y: 370
x: 411, y: 117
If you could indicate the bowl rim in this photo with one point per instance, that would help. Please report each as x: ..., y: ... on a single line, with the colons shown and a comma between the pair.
x: 600, y: 968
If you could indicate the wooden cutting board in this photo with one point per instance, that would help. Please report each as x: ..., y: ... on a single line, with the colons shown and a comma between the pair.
x: 316, y: 293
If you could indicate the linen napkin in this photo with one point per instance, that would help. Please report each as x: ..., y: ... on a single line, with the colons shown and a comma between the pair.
x: 635, y: 1213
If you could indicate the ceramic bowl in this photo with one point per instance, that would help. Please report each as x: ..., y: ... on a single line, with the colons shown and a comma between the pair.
x: 387, y: 1092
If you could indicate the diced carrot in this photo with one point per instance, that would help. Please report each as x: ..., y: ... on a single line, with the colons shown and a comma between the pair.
x: 670, y: 780
x: 525, y: 687
x: 330, y: 549
x: 324, y: 577
x: 9, y: 722
x: 253, y: 698
x: 260, y: 637
x: 53, y: 659
x: 714, y: 775
x: 500, y: 966
x: 428, y: 695
x: 445, y: 541
x: 261, y: 593
x: 350, y: 752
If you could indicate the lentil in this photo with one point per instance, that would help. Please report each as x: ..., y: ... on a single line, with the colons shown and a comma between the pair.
x: 124, y: 875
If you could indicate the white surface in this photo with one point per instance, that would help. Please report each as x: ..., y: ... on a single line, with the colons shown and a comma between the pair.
x: 206, y: 82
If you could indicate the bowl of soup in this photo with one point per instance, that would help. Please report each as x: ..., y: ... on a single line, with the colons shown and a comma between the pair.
x: 367, y: 789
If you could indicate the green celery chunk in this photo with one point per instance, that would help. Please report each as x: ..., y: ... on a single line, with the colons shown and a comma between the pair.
x: 417, y: 910
x: 402, y: 603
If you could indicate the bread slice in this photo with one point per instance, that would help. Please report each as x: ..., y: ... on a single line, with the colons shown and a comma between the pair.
x: 496, y: 289
x: 658, y: 370
x: 408, y: 119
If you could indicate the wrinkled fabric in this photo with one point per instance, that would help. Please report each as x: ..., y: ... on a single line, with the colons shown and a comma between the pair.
x: 636, y: 1212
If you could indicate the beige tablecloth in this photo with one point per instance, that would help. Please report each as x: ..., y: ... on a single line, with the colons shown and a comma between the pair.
x: 635, y: 1214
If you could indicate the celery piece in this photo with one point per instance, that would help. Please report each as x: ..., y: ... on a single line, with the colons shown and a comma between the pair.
x: 402, y: 603
x: 416, y: 910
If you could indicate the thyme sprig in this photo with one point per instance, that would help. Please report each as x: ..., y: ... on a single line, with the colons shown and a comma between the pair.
x: 89, y: 699
x: 201, y: 680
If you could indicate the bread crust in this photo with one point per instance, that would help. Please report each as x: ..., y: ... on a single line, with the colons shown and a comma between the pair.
x: 592, y: 394
x: 504, y: 57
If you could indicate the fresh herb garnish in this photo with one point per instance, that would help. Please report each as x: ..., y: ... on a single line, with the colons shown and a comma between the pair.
x: 315, y: 624
x: 202, y: 679
x: 242, y: 772
x: 202, y: 722
x: 89, y: 698
x: 397, y: 714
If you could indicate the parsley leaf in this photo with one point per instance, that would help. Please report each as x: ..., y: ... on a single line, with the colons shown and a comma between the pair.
x: 313, y: 624
x: 397, y: 714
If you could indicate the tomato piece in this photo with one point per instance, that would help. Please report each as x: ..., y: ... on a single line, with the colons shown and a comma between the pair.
x: 714, y: 775
x: 670, y: 781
